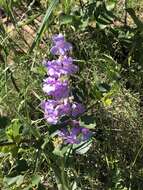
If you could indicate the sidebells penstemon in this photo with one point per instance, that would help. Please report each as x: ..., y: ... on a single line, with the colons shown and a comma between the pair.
x: 57, y: 87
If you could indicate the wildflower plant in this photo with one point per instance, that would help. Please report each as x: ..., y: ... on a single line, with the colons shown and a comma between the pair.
x: 60, y: 101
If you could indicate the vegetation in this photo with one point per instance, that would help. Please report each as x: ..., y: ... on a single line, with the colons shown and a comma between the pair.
x: 107, y: 39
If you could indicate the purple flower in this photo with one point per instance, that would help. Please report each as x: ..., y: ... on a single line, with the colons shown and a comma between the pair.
x: 64, y: 108
x: 53, y: 110
x: 77, y: 109
x: 50, y: 113
x: 68, y: 68
x: 86, y: 134
x: 58, y: 37
x: 53, y: 68
x: 61, y: 47
x: 75, y: 135
x: 70, y: 137
x: 56, y: 88
x: 64, y: 66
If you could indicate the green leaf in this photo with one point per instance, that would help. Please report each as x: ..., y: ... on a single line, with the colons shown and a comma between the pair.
x: 104, y: 21
x: 107, y: 101
x: 3, y: 136
x: 8, y: 149
x: 39, y: 70
x: 101, y: 26
x: 83, y: 147
x: 13, y: 131
x: 3, y: 3
x: 35, y: 180
x: 46, y: 140
x: 43, y: 24
x: 89, y: 126
x: 12, y: 180
x: 66, y: 19
x: 35, y: 132
x: 103, y: 87
x: 110, y: 4
x: 60, y: 151
x: 88, y: 121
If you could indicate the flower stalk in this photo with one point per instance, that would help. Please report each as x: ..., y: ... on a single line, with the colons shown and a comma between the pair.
x: 60, y: 102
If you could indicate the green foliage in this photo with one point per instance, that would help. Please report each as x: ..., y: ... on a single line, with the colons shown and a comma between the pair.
x: 44, y: 23
x: 108, y: 49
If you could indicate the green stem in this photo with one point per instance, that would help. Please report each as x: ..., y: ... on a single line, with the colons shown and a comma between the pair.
x: 62, y: 178
x: 59, y: 171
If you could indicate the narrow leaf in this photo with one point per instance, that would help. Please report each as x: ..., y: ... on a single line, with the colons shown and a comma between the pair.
x: 43, y: 24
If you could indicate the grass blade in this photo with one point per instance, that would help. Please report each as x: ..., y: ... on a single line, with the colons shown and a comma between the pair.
x: 43, y: 24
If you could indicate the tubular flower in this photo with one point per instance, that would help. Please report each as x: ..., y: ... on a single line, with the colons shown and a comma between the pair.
x: 77, y: 109
x: 61, y: 47
x: 56, y: 85
x: 56, y: 88
x: 75, y: 135
x: 62, y: 66
x: 53, y: 110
